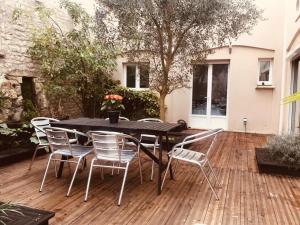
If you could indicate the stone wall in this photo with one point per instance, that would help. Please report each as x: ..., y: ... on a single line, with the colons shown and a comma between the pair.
x: 15, y: 62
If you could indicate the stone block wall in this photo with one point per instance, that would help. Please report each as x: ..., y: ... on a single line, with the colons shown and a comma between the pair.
x: 15, y: 62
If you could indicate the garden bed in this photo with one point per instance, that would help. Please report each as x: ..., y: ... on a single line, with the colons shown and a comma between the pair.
x: 267, y: 165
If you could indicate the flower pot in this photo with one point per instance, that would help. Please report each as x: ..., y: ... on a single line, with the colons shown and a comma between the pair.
x: 113, y: 116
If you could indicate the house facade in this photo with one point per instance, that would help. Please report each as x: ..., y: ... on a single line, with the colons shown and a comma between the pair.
x: 241, y: 86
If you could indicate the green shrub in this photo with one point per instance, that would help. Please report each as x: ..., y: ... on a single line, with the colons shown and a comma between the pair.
x: 138, y: 104
x: 17, y: 135
x: 285, y: 149
x: 30, y: 111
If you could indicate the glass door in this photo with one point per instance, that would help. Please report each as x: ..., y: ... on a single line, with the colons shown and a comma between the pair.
x: 295, y: 106
x: 209, y: 96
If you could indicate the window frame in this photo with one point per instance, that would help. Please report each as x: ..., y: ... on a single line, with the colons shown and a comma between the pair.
x: 137, y: 76
x: 270, y: 81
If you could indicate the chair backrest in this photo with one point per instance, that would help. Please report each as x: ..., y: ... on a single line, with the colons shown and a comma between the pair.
x: 107, y: 145
x: 156, y: 120
x: 151, y: 120
x: 199, y: 137
x: 39, y: 124
x: 58, y: 140
x: 120, y: 118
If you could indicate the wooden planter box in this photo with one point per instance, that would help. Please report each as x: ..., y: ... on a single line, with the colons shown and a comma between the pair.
x: 30, y: 217
x: 14, y: 155
x: 267, y: 165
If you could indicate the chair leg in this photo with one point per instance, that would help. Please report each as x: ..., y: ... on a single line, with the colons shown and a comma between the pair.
x: 152, y: 167
x: 55, y: 168
x: 214, y: 174
x: 69, y: 166
x: 33, y: 157
x: 74, y: 175
x: 46, y: 171
x: 210, y: 185
x: 167, y: 169
x: 123, y: 184
x: 140, y: 167
x: 112, y: 170
x: 118, y: 171
x: 89, y: 181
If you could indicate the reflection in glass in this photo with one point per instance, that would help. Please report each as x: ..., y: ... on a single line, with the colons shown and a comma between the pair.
x: 219, y: 90
x: 199, y: 102
x: 131, y: 73
x: 264, y: 70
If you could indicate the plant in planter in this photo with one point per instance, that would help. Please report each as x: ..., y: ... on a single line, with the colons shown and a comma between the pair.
x: 113, y: 105
x: 285, y: 149
x: 5, y: 209
x: 280, y: 156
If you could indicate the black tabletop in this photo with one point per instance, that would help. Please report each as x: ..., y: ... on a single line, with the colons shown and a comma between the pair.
x: 122, y: 126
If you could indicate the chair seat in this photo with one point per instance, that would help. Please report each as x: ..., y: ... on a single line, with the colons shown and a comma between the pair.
x: 77, y: 151
x: 126, y: 156
x: 189, y: 156
x: 147, y: 145
x: 73, y: 140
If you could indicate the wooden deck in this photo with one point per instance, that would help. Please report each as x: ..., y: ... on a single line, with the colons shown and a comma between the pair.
x: 246, y: 197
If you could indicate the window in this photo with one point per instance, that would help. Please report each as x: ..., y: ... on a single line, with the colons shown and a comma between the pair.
x: 265, y: 72
x: 137, y: 75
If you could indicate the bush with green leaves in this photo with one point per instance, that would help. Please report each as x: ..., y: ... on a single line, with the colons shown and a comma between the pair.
x: 76, y: 64
x: 20, y: 135
x: 138, y: 104
x: 30, y: 111
x: 285, y: 149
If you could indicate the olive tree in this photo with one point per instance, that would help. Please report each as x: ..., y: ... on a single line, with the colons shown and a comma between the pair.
x: 169, y: 34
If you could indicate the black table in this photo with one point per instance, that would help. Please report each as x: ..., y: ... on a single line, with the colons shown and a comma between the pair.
x: 159, y: 129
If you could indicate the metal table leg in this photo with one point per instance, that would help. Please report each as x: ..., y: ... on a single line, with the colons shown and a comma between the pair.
x: 160, y: 166
x: 61, y: 166
x: 168, y: 149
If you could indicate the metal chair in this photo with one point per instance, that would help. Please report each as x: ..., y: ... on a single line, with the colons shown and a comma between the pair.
x: 109, y: 148
x: 120, y: 118
x: 179, y: 152
x: 39, y: 123
x: 146, y: 138
x: 60, y: 145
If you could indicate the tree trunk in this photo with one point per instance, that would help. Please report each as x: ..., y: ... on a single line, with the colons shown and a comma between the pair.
x: 162, y: 111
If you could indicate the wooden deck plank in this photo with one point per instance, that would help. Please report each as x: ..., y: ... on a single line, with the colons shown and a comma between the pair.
x: 246, y: 197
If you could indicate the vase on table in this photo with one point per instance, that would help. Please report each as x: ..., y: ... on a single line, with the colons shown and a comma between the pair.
x: 113, y: 116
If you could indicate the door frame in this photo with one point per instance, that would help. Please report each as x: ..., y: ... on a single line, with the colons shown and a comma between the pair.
x: 293, y: 106
x: 208, y: 117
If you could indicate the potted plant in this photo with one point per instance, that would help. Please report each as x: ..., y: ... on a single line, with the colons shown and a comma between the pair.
x: 113, y: 105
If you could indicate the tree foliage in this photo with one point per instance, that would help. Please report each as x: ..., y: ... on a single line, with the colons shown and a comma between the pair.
x: 76, y: 64
x: 170, y: 34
